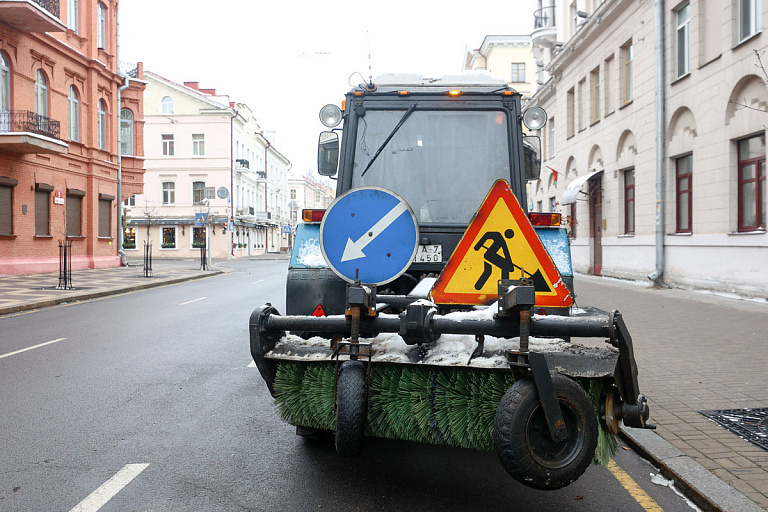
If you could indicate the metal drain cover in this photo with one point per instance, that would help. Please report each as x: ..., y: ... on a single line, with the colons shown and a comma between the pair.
x: 749, y: 424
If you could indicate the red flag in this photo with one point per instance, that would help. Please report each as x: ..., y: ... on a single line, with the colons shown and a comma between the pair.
x: 554, y: 174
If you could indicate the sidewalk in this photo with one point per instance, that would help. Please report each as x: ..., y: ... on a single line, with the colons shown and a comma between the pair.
x: 21, y: 293
x: 696, y: 352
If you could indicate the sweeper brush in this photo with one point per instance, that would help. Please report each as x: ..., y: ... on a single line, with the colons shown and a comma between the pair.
x: 382, y: 337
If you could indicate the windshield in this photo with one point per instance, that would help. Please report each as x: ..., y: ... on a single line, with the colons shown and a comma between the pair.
x: 442, y: 163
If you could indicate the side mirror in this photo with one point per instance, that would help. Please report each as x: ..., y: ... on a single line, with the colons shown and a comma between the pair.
x: 328, y: 153
x: 532, y: 157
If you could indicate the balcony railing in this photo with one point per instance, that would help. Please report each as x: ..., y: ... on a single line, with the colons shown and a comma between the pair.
x: 544, y: 17
x: 13, y: 121
x: 242, y: 163
x: 52, y: 6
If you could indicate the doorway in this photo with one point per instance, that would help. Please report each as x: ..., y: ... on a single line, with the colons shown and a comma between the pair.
x: 596, y: 225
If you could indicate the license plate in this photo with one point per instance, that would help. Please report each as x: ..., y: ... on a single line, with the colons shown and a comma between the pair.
x: 429, y: 254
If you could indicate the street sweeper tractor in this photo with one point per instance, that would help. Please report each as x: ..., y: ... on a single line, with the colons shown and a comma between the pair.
x: 426, y: 303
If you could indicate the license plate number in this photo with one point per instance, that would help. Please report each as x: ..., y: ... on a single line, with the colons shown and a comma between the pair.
x: 429, y: 254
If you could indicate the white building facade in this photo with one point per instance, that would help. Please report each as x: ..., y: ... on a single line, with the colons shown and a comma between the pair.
x: 206, y: 180
x: 600, y: 155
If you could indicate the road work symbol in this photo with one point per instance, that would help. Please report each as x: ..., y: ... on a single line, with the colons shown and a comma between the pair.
x: 499, y: 243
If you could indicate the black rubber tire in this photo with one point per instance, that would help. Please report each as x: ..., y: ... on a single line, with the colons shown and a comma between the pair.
x: 350, y: 409
x: 522, y: 441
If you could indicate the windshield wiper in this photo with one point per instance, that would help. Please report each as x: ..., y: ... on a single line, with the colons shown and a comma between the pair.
x: 389, y: 137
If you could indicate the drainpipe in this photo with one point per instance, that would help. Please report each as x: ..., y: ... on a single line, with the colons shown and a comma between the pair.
x: 266, y: 208
x: 232, y: 185
x: 127, y: 83
x: 657, y: 275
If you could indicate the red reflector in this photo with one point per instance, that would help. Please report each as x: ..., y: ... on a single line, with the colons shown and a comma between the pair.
x: 541, y: 312
x: 312, y: 215
x: 319, y: 311
x: 544, y: 219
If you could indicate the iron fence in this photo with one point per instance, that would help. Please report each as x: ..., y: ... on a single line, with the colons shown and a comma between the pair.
x: 26, y: 121
x: 52, y: 6
x: 544, y: 17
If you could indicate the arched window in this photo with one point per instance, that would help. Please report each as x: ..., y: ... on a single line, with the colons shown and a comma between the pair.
x: 41, y: 94
x: 5, y: 83
x: 126, y: 132
x: 167, y: 105
x: 101, y: 26
x: 73, y: 103
x: 102, y: 125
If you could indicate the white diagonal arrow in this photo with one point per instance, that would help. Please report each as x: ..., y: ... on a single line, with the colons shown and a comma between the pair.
x: 354, y: 250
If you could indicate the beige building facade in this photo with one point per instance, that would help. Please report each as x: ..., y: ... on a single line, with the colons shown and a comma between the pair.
x: 600, y: 158
x: 213, y: 178
x: 507, y: 57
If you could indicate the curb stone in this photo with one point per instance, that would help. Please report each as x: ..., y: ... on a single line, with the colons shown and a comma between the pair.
x: 104, y: 293
x: 702, y: 487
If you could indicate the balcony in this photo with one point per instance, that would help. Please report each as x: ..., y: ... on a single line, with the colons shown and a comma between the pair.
x: 242, y: 163
x: 32, y: 15
x: 22, y: 131
x: 544, y: 28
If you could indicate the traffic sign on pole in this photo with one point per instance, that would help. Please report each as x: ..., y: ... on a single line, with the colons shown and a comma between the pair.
x: 371, y: 233
x: 200, y: 218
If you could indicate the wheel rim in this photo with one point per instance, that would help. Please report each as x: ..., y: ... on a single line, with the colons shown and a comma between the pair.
x: 554, y: 454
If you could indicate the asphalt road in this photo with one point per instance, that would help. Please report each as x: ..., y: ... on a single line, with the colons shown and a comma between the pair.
x: 149, y: 396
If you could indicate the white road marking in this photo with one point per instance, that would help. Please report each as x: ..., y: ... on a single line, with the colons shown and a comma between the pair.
x: 252, y: 365
x: 107, y: 491
x: 257, y: 282
x: 191, y: 301
x: 30, y: 348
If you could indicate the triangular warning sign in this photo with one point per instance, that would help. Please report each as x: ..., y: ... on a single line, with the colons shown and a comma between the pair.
x: 500, y: 243
x: 319, y: 311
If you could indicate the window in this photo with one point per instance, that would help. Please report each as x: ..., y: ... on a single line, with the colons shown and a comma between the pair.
x: 102, y: 125
x: 580, y: 103
x: 73, y: 15
x: 683, y: 40
x: 41, y: 94
x: 317, y: 196
x: 198, y: 144
x: 167, y: 106
x: 750, y: 21
x: 752, y: 192
x: 129, y: 238
x: 210, y: 193
x: 683, y: 185
x: 74, y: 207
x: 73, y: 103
x: 574, y: 17
x: 518, y: 72
x: 539, y: 206
x: 169, y: 192
x: 101, y: 27
x: 169, y: 238
x: 167, y: 145
x: 552, y: 138
x: 5, y: 83
x: 198, y: 192
x: 293, y: 193
x: 629, y: 202
x: 126, y: 132
x: 6, y: 205
x: 570, y: 105
x: 594, y: 86
x: 105, y: 217
x: 42, y: 209
x: 131, y: 201
x: 627, y: 55
x: 607, y: 67
x: 198, y: 237
x: 553, y: 204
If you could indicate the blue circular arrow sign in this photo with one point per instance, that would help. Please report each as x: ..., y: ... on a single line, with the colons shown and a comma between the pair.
x: 371, y: 232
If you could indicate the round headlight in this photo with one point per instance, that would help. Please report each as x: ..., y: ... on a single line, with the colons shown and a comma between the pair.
x: 330, y: 115
x: 535, y: 118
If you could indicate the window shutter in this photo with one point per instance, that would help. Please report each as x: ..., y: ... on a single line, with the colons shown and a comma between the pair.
x: 74, y: 204
x: 6, y: 213
x: 42, y: 212
x: 105, y: 207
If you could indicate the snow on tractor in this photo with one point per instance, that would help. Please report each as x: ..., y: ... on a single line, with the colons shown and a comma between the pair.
x: 426, y: 304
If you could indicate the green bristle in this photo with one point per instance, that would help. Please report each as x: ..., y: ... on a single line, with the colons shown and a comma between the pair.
x: 450, y: 406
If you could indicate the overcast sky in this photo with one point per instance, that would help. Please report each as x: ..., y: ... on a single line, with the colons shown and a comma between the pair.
x: 286, y: 60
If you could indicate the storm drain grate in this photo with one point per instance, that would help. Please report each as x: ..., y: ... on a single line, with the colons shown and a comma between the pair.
x: 749, y: 424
